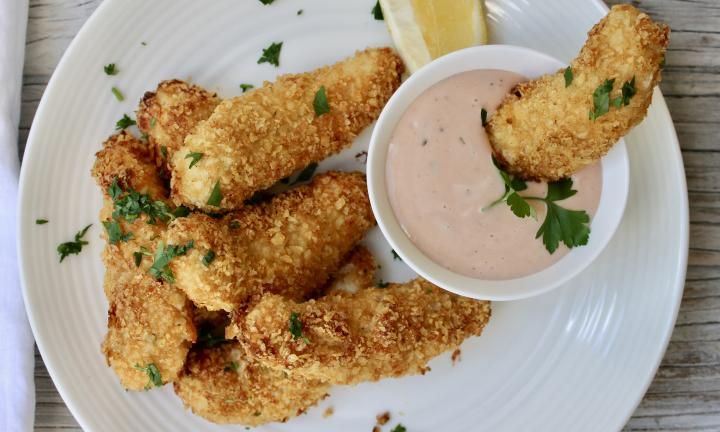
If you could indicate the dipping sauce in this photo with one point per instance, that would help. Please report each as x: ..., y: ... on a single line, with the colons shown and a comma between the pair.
x: 440, y: 176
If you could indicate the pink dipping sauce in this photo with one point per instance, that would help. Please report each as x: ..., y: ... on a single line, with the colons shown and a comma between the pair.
x: 440, y: 176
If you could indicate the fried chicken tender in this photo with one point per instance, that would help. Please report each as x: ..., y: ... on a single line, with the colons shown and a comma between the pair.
x: 290, y: 245
x: 149, y: 325
x: 129, y: 161
x: 357, y: 273
x: 168, y: 114
x: 224, y: 386
x: 350, y: 338
x: 252, y: 141
x: 543, y: 131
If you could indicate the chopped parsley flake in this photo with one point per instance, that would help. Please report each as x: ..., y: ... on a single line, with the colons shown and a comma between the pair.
x: 132, y: 204
x: 208, y: 258
x: 395, y: 255
x: 568, y: 76
x: 266, y: 2
x: 271, y: 54
x: 195, y: 156
x: 399, y: 428
x: 118, y: 94
x: 601, y: 99
x: 73, y: 247
x: 153, y: 374
x: 124, y: 123
x: 216, y: 195
x: 377, y: 12
x: 115, y: 233
x: 296, y: 327
x: 110, y: 69
x: 246, y: 87
x: 160, y: 268
x: 300, y: 12
x: 627, y: 92
x: 41, y: 221
x: 320, y: 103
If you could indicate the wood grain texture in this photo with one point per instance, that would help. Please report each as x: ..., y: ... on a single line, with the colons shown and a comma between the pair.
x: 685, y: 394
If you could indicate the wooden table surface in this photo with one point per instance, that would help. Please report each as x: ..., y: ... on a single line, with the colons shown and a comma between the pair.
x: 685, y: 394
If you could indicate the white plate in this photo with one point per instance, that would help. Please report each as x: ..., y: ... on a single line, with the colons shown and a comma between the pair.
x: 579, y: 358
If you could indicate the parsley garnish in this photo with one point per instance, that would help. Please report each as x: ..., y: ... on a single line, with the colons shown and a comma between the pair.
x: 560, y: 225
x: 181, y: 211
x: 124, y: 123
x: 132, y: 204
x: 399, y: 428
x: 41, y: 221
x: 266, y: 2
x: 601, y: 99
x: 377, y: 12
x: 300, y: 12
x: 195, y: 156
x: 271, y: 54
x: 568, y: 76
x: 320, y: 102
x: 163, y: 255
x: 246, y: 87
x: 208, y: 258
x: 138, y: 258
x: 216, y: 195
x: 153, y: 374
x: 296, y: 328
x: 73, y: 247
x: 307, y: 173
x: 232, y: 366
x: 483, y: 116
x: 395, y: 255
x: 110, y: 69
x: 118, y: 94
x: 115, y: 233
x: 627, y: 92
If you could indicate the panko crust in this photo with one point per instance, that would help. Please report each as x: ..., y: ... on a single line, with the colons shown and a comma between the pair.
x: 252, y: 141
x: 356, y: 273
x: 149, y: 322
x: 290, y: 245
x: 224, y: 386
x: 372, y: 334
x: 542, y: 130
x: 170, y: 113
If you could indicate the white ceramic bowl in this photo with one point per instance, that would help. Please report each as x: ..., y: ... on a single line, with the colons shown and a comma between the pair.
x: 529, y: 63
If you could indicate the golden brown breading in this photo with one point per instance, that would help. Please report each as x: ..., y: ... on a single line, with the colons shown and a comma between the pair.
x: 149, y: 323
x: 372, y: 334
x: 543, y: 131
x: 289, y: 245
x: 168, y: 114
x: 130, y: 161
x: 223, y: 386
x: 357, y: 273
x: 252, y: 141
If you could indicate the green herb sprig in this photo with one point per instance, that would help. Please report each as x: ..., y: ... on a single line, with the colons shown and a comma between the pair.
x: 296, y: 327
x: 271, y: 54
x: 73, y: 247
x: 153, y: 373
x: 160, y: 268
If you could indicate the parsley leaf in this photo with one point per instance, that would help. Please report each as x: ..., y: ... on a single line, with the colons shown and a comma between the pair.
x: 208, y: 258
x: 483, y: 116
x: 266, y: 2
x: 512, y: 185
x: 132, y: 204
x: 41, y: 221
x: 138, y: 256
x: 110, y: 69
x: 216, y: 195
x: 377, y: 12
x: 115, y: 233
x: 296, y: 327
x: 628, y: 91
x: 519, y: 206
x: 568, y: 76
x: 601, y: 99
x: 73, y: 247
x: 195, y: 156
x: 118, y: 94
x: 124, y: 123
x: 271, y: 54
x: 320, y: 102
x: 246, y: 87
x: 562, y: 225
x: 399, y: 428
x: 395, y: 255
x: 153, y: 373
x: 300, y: 12
x: 163, y: 255
x: 181, y: 211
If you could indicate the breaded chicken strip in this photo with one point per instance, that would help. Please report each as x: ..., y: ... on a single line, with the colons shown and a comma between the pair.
x: 252, y: 141
x: 543, y: 129
x: 290, y: 245
x: 350, y: 338
x: 150, y: 331
x: 128, y: 163
x: 168, y: 114
x: 357, y: 273
x: 223, y: 386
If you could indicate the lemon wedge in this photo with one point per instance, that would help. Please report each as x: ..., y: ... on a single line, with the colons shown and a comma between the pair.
x: 424, y: 30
